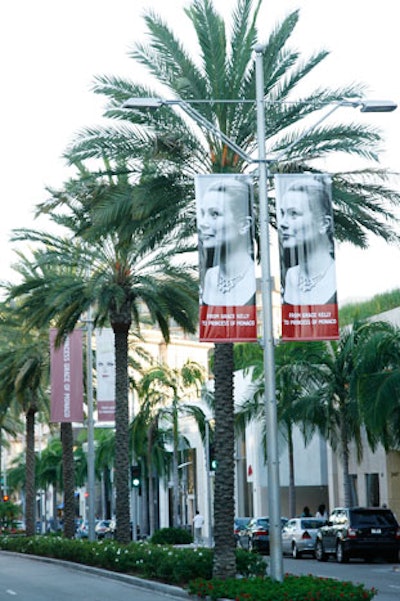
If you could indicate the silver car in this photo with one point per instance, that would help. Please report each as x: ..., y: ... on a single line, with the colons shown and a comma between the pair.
x: 299, y: 536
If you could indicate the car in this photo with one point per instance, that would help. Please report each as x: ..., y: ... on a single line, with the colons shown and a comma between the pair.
x: 255, y: 536
x: 82, y: 531
x: 238, y: 525
x: 103, y: 529
x: 299, y: 536
x: 362, y: 532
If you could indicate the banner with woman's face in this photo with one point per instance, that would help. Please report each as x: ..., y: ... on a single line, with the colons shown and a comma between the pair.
x: 225, y: 226
x: 307, y: 257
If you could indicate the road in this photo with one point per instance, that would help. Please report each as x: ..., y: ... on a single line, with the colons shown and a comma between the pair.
x: 28, y: 579
x: 383, y: 576
x: 23, y: 578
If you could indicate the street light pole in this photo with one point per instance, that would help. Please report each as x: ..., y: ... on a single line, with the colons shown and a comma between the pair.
x: 274, y: 504
x: 274, y: 501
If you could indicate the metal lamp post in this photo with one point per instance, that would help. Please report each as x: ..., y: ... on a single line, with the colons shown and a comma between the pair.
x: 276, y: 563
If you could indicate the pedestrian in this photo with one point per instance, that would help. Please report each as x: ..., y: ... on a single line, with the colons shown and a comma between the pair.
x: 306, y: 512
x: 198, y: 522
x: 321, y: 512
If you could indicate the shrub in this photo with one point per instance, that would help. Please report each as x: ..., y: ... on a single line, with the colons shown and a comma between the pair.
x: 171, y: 536
x: 295, y: 588
x: 189, y: 567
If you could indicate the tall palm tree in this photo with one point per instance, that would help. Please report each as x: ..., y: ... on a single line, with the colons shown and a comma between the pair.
x: 133, y: 277
x: 223, y: 68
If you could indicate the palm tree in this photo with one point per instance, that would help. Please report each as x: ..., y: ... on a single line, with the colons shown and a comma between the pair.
x: 169, y: 387
x: 133, y: 277
x: 49, y: 471
x: 336, y: 406
x: 297, y: 367
x: 379, y: 382
x: 24, y: 373
x: 149, y: 448
x: 223, y: 69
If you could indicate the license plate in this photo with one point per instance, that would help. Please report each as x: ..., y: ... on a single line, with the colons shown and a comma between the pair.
x: 376, y: 531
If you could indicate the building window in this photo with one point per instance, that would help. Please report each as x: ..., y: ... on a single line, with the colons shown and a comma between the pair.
x: 372, y: 490
x: 353, y: 489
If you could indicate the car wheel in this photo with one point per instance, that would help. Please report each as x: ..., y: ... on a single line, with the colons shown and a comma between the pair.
x: 295, y: 551
x: 341, y: 555
x: 319, y: 552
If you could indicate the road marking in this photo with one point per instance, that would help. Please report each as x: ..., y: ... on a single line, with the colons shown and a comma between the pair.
x: 394, y: 586
x: 10, y: 592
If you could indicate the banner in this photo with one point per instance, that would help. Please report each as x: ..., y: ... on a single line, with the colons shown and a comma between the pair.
x: 66, y: 372
x: 225, y: 226
x: 307, y: 257
x: 105, y: 372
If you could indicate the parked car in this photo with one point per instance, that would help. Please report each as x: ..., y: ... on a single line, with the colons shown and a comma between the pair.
x: 255, y: 536
x: 103, y: 529
x: 238, y: 525
x: 299, y: 536
x: 364, y: 532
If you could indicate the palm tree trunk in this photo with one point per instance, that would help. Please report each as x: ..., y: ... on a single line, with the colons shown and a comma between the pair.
x: 30, y: 490
x: 292, y: 487
x: 68, y: 479
x: 150, y: 433
x: 344, y: 442
x: 224, y: 565
x: 175, y: 476
x: 121, y: 331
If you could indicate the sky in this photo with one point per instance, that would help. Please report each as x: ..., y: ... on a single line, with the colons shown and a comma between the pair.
x: 51, y: 52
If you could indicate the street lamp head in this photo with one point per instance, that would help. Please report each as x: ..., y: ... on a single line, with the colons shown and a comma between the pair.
x: 377, y: 106
x: 143, y: 103
x: 370, y: 106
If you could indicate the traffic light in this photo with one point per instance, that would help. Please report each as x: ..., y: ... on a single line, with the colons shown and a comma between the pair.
x: 213, y: 461
x: 6, y: 498
x: 136, y: 477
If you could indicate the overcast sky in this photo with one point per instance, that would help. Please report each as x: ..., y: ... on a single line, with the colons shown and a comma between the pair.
x: 51, y: 51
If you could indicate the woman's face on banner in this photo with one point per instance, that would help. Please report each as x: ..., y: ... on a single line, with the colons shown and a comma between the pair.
x: 298, y: 225
x: 216, y: 222
x: 106, y: 367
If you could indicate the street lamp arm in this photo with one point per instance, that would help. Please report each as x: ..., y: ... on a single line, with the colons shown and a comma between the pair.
x: 154, y: 103
x: 365, y: 106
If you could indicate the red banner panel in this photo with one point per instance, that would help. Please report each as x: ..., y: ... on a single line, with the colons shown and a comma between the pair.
x: 66, y: 373
x: 224, y: 324
x: 307, y: 257
x: 314, y: 322
x: 225, y: 226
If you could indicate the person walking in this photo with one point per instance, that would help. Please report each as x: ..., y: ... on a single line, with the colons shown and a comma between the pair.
x: 198, y: 522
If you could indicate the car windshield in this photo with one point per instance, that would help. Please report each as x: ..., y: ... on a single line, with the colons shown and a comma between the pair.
x: 311, y: 524
x: 241, y: 522
x: 365, y: 519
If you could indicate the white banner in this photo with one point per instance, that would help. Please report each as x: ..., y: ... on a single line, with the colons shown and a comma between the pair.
x: 105, y: 370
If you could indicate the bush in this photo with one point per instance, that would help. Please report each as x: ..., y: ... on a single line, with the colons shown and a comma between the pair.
x: 188, y: 567
x: 295, y: 588
x: 171, y: 536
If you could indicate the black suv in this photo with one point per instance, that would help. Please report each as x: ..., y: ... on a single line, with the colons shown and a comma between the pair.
x: 364, y: 532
